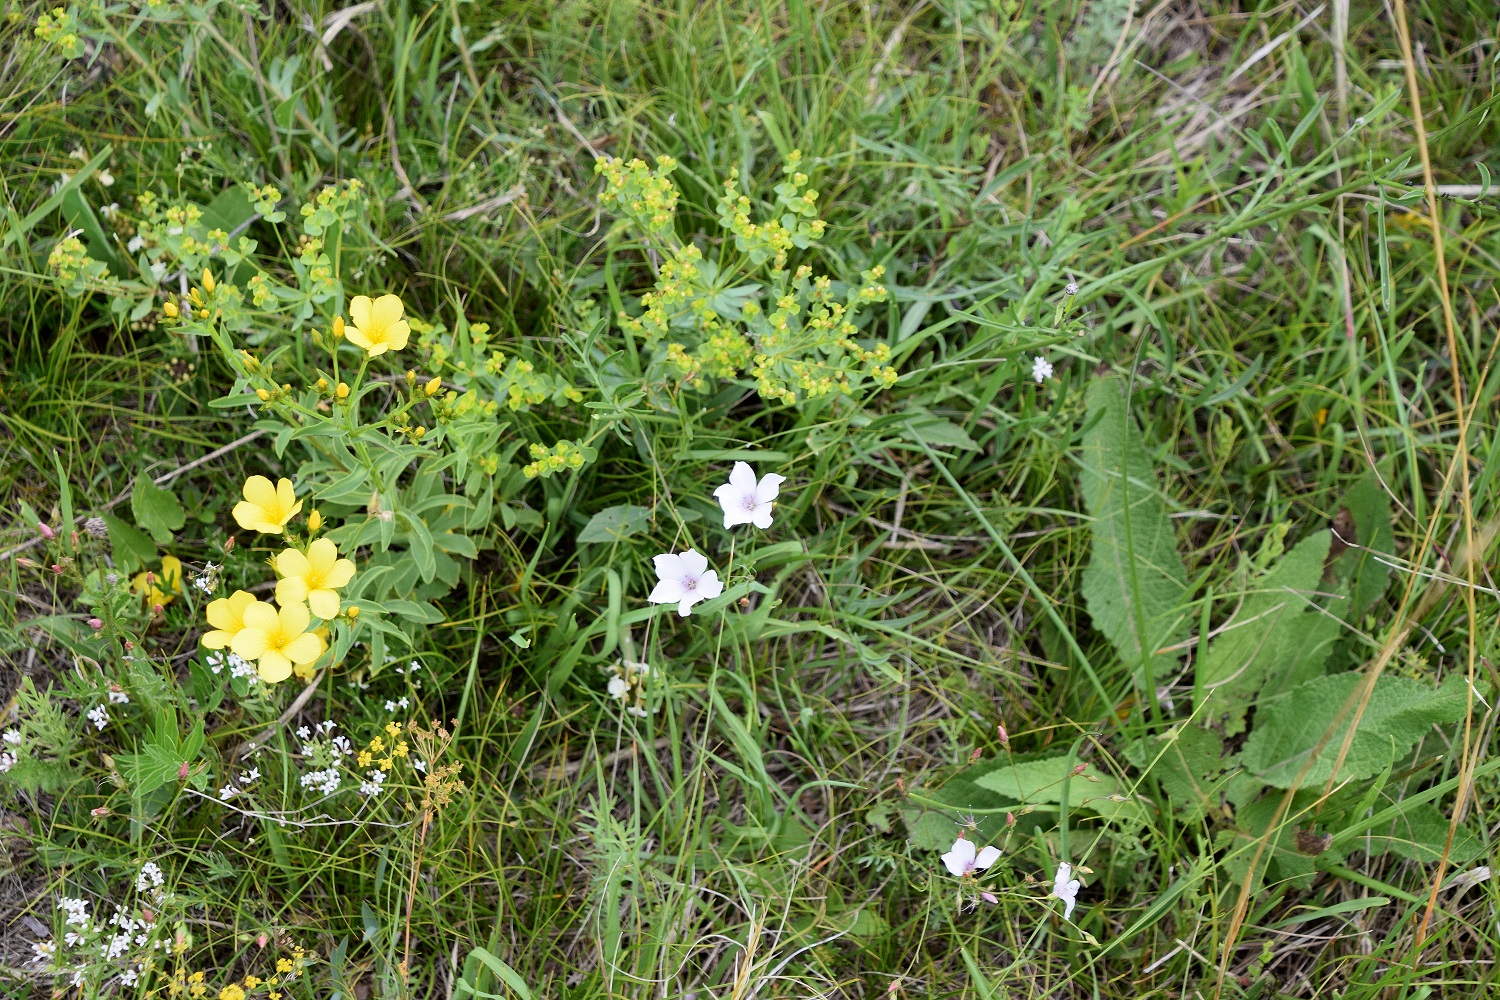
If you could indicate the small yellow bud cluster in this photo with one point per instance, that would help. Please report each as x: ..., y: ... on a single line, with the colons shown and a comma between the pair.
x: 68, y: 258
x: 59, y: 29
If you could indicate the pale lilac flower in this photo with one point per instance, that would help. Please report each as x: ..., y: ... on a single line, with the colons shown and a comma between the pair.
x: 746, y: 501
x: 684, y: 580
x: 964, y: 860
x: 1041, y: 370
x: 1065, y: 888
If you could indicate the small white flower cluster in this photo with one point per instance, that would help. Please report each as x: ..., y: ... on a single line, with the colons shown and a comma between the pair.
x: 99, y: 716
x: 12, y: 744
x: 391, y: 706
x: 94, y: 951
x: 334, y: 752
x: 150, y: 877
x: 372, y: 786
x: 208, y: 580
x: 118, y: 697
x: 627, y: 684
x: 415, y: 666
x: 218, y: 659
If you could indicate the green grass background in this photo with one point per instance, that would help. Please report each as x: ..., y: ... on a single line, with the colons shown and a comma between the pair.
x: 1221, y: 180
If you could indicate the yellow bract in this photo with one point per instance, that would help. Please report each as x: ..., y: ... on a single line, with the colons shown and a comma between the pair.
x: 313, y: 577
x: 227, y: 616
x: 267, y: 508
x: 377, y: 325
x: 276, y: 640
x: 167, y: 584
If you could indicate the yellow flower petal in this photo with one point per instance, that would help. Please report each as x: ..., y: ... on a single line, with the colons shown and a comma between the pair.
x: 325, y: 603
x: 387, y: 311
x: 250, y: 643
x: 294, y: 619
x: 273, y: 668
x: 397, y: 335
x: 304, y: 649
x: 359, y: 310
x: 290, y: 562
x: 259, y: 491
x: 339, y: 574
x: 292, y: 590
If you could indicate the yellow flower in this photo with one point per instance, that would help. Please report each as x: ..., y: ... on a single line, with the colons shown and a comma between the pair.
x: 227, y: 616
x: 378, y: 326
x: 168, y: 577
x: 364, y: 758
x: 314, y: 577
x: 267, y: 508
x: 314, y: 521
x: 391, y: 729
x: 251, y: 982
x: 276, y: 640
x: 231, y: 992
x: 283, y: 965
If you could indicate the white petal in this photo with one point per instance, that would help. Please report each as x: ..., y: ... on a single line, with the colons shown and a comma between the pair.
x: 742, y: 478
x: 735, y: 512
x: 761, y: 516
x: 669, y: 566
x: 667, y: 592
x: 960, y: 860
x: 770, y: 486
x: 685, y: 607
x: 986, y: 857
x: 693, y: 563
x: 709, y: 586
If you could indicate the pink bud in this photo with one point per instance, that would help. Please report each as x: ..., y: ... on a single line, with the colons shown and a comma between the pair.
x: 57, y: 569
x: 229, y: 545
x: 74, y: 536
x: 129, y: 645
x: 95, y: 624
x: 262, y: 941
x: 147, y: 917
x: 101, y: 811
x: 1010, y: 819
x: 988, y: 897
x: 182, y: 772
x: 1080, y: 768
x: 46, y: 532
x: 1004, y: 736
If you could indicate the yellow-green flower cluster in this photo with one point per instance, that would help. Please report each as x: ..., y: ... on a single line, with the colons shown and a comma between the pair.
x: 59, y: 28
x: 68, y: 259
x: 331, y: 205
x: 264, y: 200
x: 546, y: 461
x: 194, y: 986
x: 647, y: 198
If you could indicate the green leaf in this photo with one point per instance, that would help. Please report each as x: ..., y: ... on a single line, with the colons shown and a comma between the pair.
x: 1276, y: 636
x: 615, y: 524
x: 130, y: 548
x: 1420, y: 834
x: 1135, y: 584
x: 1363, y: 529
x: 1399, y: 713
x: 921, y: 426
x: 1188, y: 763
x: 1041, y: 781
x: 156, y: 510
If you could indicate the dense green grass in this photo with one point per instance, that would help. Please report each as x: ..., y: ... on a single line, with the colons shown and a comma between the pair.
x: 1250, y: 250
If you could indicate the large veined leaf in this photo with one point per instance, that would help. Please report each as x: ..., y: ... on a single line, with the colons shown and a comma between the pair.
x: 1135, y: 584
x: 1362, y: 529
x: 1277, y: 638
x: 1400, y: 712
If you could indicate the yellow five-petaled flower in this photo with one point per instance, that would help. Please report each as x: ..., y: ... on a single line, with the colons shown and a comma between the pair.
x: 167, y: 582
x: 276, y: 640
x: 267, y: 508
x: 227, y: 616
x: 314, y: 577
x: 378, y: 326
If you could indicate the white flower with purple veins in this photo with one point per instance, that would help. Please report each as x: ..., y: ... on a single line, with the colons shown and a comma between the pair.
x: 964, y: 860
x: 746, y: 501
x: 1041, y: 370
x: 1065, y: 888
x: 684, y: 580
x: 99, y: 716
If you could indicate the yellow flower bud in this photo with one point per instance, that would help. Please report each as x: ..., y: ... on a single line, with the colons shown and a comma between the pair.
x: 314, y: 520
x: 263, y: 394
x: 208, y: 281
x: 352, y: 611
x: 322, y: 385
x: 419, y: 432
x: 170, y: 310
x: 338, y: 328
x: 342, y: 392
x: 203, y: 314
x: 432, y: 387
x: 411, y: 377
